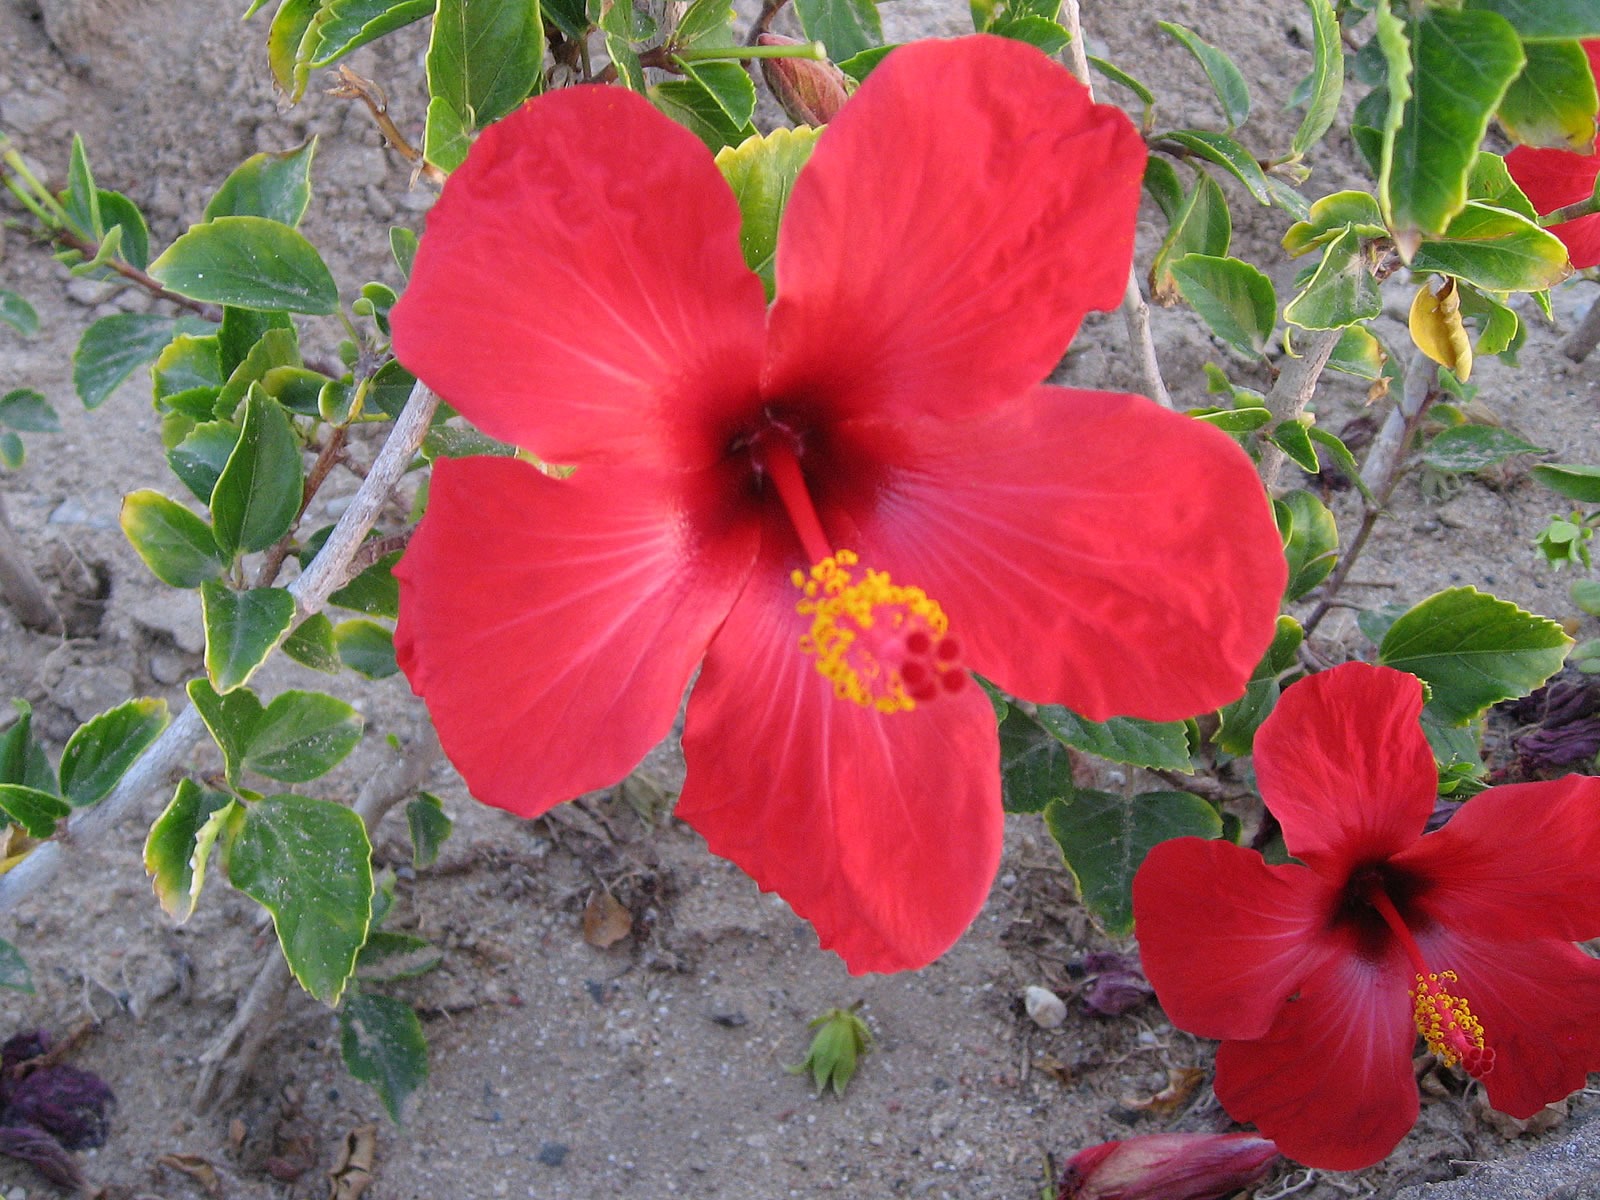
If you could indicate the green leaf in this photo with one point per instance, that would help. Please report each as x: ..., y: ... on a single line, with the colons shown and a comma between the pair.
x: 1341, y: 292
x: 113, y: 347
x: 12, y: 452
x: 118, y: 212
x: 175, y: 544
x: 239, y: 333
x: 1553, y: 101
x: 1537, y: 20
x: 1463, y: 64
x: 389, y: 956
x: 1332, y: 216
x: 1497, y: 250
x: 302, y: 736
x: 1464, y: 448
x: 704, y: 22
x: 1585, y: 594
x: 230, y: 718
x: 1234, y: 420
x: 1293, y: 437
x: 102, y: 749
x: 276, y: 349
x: 290, y: 39
x: 276, y: 186
x: 189, y: 362
x: 1235, y: 300
x: 198, y: 460
x: 429, y: 827
x: 366, y: 647
x: 28, y: 411
x: 1239, y: 721
x: 1117, y: 75
x: 308, y: 862
x: 82, y: 198
x: 18, y: 313
x: 1104, y: 838
x: 446, y: 137
x: 1035, y: 766
x: 22, y: 759
x: 761, y: 171
x: 311, y: 645
x: 14, y: 973
x: 1161, y: 181
x: 383, y: 1045
x: 1203, y: 226
x: 1227, y: 153
x: 374, y: 591
x: 1395, y: 46
x: 1360, y: 354
x: 708, y: 102
x: 845, y: 27
x: 840, y: 1040
x: 485, y: 56
x: 241, y: 630
x: 176, y: 872
x: 1473, y: 650
x: 1162, y: 745
x: 1312, y: 545
x: 36, y: 811
x: 253, y: 262
x: 349, y: 24
x: 1226, y: 79
x: 619, y: 24
x: 1326, y: 83
x: 403, y: 245
x: 259, y: 493
x: 1572, y: 480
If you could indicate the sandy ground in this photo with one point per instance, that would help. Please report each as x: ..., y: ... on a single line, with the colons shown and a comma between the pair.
x: 654, y: 1068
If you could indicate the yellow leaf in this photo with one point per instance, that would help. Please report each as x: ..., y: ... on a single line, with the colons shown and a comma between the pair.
x: 1437, y: 330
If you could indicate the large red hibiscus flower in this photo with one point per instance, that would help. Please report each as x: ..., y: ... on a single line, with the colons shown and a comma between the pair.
x: 1553, y: 179
x: 834, y: 506
x: 1320, y: 975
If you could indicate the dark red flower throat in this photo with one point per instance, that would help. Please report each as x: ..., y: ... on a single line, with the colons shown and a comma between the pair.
x: 882, y: 645
x: 1443, y: 1018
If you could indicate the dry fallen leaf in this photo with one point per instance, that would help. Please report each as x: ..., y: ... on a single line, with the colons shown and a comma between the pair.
x: 606, y: 921
x: 1181, y: 1083
x: 352, y: 1176
x: 197, y: 1168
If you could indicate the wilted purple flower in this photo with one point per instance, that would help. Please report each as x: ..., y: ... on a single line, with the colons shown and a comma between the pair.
x: 1167, y: 1166
x: 1116, y: 985
x: 75, y: 1106
x: 21, y: 1047
x: 43, y: 1153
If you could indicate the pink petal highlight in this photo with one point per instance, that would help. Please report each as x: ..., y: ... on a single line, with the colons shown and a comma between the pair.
x: 552, y: 625
x: 580, y: 290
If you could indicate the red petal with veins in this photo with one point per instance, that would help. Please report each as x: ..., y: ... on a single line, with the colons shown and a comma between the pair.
x: 1081, y: 543
x: 1344, y: 766
x: 881, y: 830
x: 1554, y: 179
x: 580, y: 289
x: 552, y: 625
x: 955, y: 222
x: 1521, y: 861
x: 1536, y: 1001
x: 1332, y: 1083
x: 1228, y: 972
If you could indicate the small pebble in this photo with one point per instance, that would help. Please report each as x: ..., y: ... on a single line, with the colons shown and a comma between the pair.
x: 1047, y: 1009
x: 553, y: 1154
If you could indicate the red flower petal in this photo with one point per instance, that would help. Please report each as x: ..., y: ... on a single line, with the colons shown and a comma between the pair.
x: 1081, y: 544
x: 1332, y: 1083
x: 1516, y: 862
x: 882, y: 831
x: 580, y: 289
x: 1537, y: 1002
x: 1554, y: 179
x: 1344, y: 766
x: 1224, y: 938
x: 949, y: 232
x: 552, y: 625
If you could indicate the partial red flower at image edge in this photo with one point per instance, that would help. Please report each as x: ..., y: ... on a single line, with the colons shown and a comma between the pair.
x: 836, y: 508
x: 1554, y: 178
x: 1320, y: 975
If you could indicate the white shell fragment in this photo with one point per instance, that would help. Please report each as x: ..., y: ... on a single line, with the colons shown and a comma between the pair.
x: 1046, y: 1008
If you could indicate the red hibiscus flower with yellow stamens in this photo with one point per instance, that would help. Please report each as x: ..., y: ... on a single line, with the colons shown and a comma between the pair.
x: 1320, y: 975
x: 1553, y: 179
x: 834, y: 507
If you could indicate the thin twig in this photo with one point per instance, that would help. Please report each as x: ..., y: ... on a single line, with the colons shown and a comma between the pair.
x: 226, y: 1063
x: 1381, y: 472
x: 133, y: 274
x: 1296, y: 384
x: 326, y: 573
x: 1135, y: 311
x: 21, y: 585
x: 332, y: 450
x: 356, y: 87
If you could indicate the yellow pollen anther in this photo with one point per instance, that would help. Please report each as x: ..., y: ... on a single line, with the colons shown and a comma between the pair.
x: 1448, y: 1026
x: 882, y: 646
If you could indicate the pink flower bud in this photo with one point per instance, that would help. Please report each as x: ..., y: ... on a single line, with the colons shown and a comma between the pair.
x: 810, y: 92
x: 1168, y: 1166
